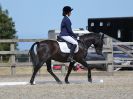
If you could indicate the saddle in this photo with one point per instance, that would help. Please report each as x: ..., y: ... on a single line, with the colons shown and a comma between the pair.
x: 65, y: 46
x: 59, y: 39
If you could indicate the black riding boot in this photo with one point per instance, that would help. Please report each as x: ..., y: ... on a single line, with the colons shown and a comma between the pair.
x: 70, y: 58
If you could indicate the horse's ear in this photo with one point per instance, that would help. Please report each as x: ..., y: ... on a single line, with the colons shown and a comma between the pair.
x: 102, y: 36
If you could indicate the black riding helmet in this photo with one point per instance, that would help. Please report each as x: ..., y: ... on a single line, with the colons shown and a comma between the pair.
x: 66, y: 10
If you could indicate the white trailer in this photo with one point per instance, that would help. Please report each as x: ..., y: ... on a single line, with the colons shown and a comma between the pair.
x: 52, y: 34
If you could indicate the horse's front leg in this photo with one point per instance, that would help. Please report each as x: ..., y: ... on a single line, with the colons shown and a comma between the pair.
x: 84, y: 63
x: 71, y: 65
x: 89, y: 75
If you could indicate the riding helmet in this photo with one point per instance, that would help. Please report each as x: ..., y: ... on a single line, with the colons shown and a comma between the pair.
x: 66, y: 10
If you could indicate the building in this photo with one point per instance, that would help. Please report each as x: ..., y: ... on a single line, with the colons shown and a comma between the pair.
x: 120, y: 28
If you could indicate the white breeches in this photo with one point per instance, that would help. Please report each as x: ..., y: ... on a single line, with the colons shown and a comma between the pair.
x: 70, y: 40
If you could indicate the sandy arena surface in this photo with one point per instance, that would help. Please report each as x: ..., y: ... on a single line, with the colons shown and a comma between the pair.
x: 119, y: 86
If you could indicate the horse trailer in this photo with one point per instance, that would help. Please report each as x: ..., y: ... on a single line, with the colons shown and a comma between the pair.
x: 120, y: 28
x: 52, y: 34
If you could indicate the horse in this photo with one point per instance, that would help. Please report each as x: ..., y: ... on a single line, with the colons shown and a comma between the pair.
x: 48, y: 50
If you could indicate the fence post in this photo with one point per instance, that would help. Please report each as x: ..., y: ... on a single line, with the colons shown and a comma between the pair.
x: 13, y: 66
x: 63, y: 69
x: 13, y: 70
x: 110, y: 67
x: 1, y: 58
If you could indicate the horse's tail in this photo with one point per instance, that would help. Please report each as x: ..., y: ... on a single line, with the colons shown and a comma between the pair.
x: 33, y: 56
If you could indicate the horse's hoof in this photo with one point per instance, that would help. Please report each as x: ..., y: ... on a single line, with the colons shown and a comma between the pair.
x: 59, y: 82
x: 67, y: 82
x: 33, y: 83
x: 90, y: 80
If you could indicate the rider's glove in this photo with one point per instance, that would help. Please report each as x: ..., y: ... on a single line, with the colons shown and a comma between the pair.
x: 77, y: 38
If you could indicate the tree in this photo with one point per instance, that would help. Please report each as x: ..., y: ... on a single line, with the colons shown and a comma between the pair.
x: 7, y: 28
x: 7, y: 31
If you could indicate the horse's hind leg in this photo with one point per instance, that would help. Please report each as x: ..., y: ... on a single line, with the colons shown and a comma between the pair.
x: 48, y: 62
x: 36, y: 68
x: 71, y: 65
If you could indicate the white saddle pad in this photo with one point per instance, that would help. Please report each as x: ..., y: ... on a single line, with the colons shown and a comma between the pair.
x: 64, y: 48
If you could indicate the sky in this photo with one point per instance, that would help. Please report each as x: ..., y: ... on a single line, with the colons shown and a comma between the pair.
x: 33, y: 18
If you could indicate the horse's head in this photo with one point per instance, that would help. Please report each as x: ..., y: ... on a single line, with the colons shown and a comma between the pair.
x: 98, y: 44
x: 95, y: 39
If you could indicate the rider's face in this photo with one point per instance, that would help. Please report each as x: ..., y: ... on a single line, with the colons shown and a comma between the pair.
x: 69, y: 13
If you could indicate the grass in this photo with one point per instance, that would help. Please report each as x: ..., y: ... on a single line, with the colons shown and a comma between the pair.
x: 4, y: 71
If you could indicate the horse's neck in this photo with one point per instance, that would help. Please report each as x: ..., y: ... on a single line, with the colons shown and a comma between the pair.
x: 88, y: 43
x: 83, y: 46
x: 88, y: 39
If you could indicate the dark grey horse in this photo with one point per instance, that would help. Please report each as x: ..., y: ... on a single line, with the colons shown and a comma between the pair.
x: 48, y: 50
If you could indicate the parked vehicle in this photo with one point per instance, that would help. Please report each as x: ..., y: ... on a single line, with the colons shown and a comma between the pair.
x: 119, y: 61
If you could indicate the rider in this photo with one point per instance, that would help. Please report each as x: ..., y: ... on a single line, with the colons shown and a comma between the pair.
x: 67, y: 33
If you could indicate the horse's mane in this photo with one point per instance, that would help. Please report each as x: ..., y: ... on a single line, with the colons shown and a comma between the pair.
x: 97, y: 35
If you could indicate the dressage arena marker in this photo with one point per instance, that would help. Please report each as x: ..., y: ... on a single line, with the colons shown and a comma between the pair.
x: 13, y: 83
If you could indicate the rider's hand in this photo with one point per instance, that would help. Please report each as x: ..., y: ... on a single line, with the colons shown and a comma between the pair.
x: 77, y: 38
